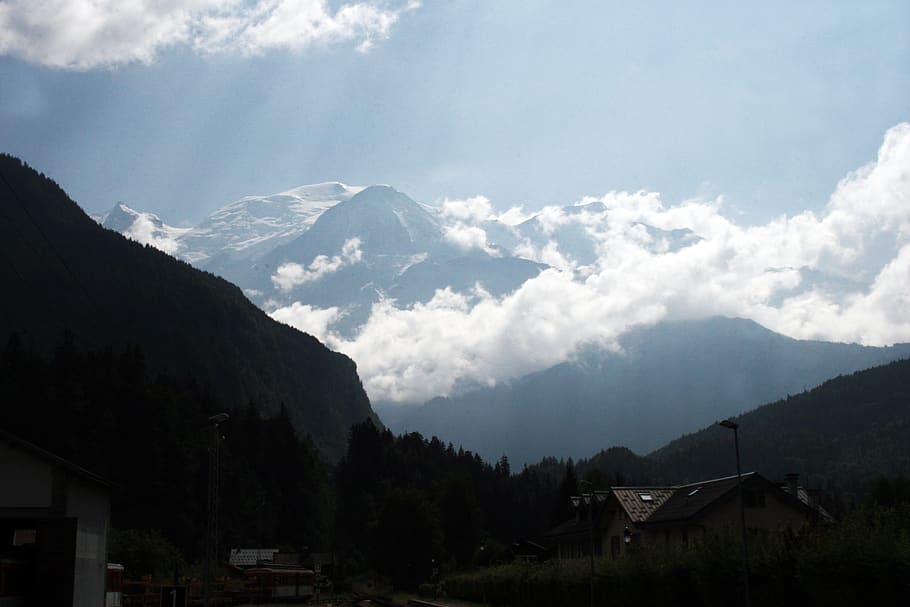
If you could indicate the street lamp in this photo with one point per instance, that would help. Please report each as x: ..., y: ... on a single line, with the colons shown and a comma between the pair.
x: 211, y: 539
x: 590, y: 501
x: 732, y: 425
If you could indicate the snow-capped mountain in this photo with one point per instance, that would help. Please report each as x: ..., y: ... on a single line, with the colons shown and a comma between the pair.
x: 378, y: 244
x: 330, y: 245
x: 254, y: 225
x: 351, y: 265
x: 334, y: 246
x: 246, y: 228
x: 146, y: 228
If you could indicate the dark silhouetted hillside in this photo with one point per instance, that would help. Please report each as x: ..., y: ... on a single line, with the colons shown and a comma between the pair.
x: 61, y: 270
x: 840, y: 436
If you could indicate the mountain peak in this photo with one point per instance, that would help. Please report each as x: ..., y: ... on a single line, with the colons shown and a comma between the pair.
x: 121, y: 218
x: 376, y: 192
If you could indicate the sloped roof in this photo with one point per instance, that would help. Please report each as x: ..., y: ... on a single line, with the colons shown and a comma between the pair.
x: 250, y: 557
x: 662, y: 505
x: 802, y: 495
x: 641, y: 502
x: 688, y: 500
x: 55, y: 460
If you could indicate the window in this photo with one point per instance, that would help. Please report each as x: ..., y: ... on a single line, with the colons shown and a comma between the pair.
x: 646, y: 497
x: 23, y: 536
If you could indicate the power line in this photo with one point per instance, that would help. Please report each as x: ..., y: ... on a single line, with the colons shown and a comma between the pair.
x: 47, y: 240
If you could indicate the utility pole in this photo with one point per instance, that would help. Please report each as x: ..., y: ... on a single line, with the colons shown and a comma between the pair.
x: 730, y: 424
x: 211, y: 528
x: 590, y: 502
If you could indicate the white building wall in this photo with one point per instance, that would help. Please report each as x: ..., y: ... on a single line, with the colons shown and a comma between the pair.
x: 89, y: 503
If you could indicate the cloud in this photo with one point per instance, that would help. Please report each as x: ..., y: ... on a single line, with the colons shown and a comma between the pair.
x: 463, y: 216
x: 290, y: 275
x: 476, y: 209
x: 315, y: 321
x: 468, y: 237
x: 144, y: 229
x: 841, y: 275
x: 86, y: 34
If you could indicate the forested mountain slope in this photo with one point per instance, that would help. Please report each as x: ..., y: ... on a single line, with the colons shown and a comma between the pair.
x: 61, y: 270
x: 839, y: 436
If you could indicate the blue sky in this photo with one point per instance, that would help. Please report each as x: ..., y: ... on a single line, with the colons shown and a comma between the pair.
x: 182, y: 110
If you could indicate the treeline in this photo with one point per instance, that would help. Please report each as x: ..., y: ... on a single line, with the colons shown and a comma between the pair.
x: 61, y: 270
x: 407, y: 505
x: 838, y: 437
x: 402, y: 506
x: 149, y: 436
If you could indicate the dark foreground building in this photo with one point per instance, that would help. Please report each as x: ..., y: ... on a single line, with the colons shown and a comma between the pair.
x: 54, y: 520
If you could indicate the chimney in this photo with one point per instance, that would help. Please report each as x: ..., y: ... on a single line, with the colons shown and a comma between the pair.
x: 813, y: 497
x: 792, y: 484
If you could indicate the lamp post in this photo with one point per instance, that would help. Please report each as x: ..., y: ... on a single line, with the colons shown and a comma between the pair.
x: 731, y: 425
x: 211, y: 536
x: 590, y: 501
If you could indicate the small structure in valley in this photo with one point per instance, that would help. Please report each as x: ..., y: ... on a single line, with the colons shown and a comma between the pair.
x: 674, y: 516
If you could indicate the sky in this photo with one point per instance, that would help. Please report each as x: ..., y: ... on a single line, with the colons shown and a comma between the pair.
x: 778, y: 133
x: 179, y: 107
x: 841, y: 274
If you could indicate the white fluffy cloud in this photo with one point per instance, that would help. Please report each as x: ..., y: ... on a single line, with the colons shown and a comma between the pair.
x: 164, y: 238
x: 463, y: 216
x: 316, y: 320
x: 476, y: 209
x: 84, y: 34
x: 843, y: 275
x: 290, y: 275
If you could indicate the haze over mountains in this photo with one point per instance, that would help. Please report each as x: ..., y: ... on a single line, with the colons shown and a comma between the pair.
x: 838, y: 436
x: 667, y: 380
x: 479, y: 308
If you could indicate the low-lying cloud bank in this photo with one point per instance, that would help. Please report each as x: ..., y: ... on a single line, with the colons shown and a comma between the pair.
x: 85, y: 34
x: 290, y: 275
x: 841, y: 276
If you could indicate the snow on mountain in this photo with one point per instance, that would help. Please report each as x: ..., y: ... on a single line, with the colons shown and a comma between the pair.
x: 255, y: 225
x: 146, y: 228
x: 335, y: 246
x: 246, y: 228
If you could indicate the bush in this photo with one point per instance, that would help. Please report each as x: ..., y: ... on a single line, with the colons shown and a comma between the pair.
x: 144, y: 552
x: 864, y: 559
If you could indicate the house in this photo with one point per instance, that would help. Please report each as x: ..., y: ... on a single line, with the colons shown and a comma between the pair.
x: 54, y: 521
x: 245, y: 558
x: 528, y: 551
x: 625, y: 517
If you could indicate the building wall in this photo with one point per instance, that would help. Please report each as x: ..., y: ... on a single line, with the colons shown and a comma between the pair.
x: 614, y: 524
x: 90, y: 505
x: 25, y: 481
x: 775, y: 514
x: 71, y: 516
